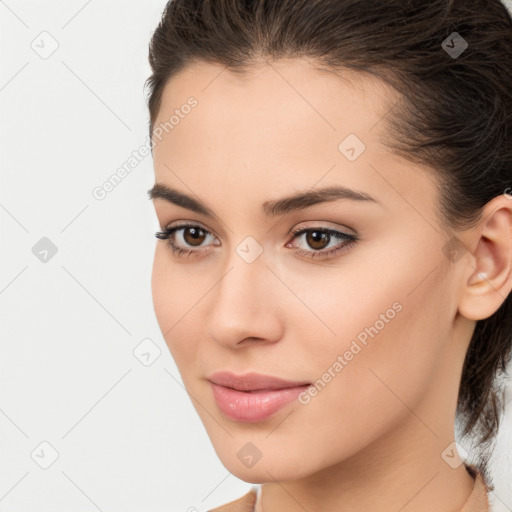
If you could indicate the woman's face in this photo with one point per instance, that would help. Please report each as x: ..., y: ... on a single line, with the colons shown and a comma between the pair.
x: 370, y: 321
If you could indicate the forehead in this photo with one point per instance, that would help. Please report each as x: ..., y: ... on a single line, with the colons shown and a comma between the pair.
x: 285, y: 122
x: 288, y: 94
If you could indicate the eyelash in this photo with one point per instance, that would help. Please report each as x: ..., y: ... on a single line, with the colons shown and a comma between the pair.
x: 350, y: 240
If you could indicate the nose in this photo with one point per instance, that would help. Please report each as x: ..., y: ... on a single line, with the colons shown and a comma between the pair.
x: 247, y: 306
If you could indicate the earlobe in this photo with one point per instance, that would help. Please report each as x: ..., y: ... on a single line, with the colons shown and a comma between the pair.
x: 490, y: 277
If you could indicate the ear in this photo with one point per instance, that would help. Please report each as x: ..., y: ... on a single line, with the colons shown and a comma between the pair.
x: 487, y: 277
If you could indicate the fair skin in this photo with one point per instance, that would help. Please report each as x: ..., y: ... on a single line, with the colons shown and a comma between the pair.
x: 372, y: 439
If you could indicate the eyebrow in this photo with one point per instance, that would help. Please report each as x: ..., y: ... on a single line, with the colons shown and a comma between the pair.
x: 271, y: 208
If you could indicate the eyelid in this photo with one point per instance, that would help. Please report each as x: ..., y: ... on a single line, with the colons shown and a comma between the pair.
x: 317, y: 224
x: 323, y: 225
x: 186, y: 223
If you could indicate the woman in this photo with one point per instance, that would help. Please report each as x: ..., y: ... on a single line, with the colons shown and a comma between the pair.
x: 333, y: 273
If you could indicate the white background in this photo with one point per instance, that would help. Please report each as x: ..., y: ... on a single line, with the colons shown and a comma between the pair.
x: 126, y: 434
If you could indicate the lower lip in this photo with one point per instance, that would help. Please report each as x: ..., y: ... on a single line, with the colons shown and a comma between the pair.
x: 253, y: 406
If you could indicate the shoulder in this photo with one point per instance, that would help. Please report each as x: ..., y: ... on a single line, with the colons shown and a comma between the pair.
x: 243, y: 504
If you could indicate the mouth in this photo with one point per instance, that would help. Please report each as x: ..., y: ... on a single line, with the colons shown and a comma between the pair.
x: 253, y: 397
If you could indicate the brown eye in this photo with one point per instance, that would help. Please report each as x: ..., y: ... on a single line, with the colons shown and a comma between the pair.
x: 318, y: 239
x: 187, y: 240
x: 194, y: 236
x: 316, y: 242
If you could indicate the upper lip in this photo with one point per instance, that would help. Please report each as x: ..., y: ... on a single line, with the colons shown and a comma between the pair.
x: 252, y: 381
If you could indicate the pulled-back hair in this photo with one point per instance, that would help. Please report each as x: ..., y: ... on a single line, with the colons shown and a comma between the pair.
x: 454, y: 113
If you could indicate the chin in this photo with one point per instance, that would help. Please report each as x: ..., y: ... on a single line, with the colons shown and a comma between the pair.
x: 261, y: 473
x: 267, y: 469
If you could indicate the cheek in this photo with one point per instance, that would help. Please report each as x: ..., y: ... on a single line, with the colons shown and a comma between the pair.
x: 173, y: 303
x: 389, y: 345
x: 161, y: 289
x: 391, y: 313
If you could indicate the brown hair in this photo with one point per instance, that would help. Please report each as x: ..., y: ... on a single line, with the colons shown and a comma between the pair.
x: 454, y: 113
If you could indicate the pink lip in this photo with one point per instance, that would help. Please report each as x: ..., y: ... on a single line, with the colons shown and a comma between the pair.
x: 253, y: 397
